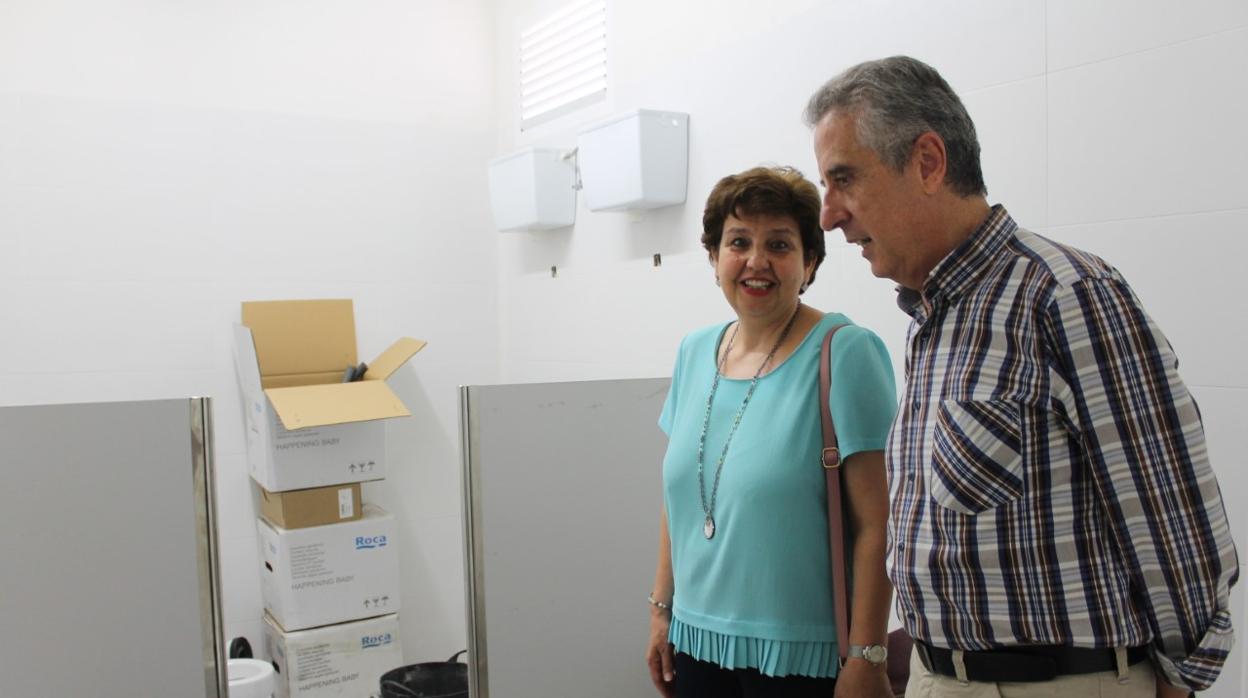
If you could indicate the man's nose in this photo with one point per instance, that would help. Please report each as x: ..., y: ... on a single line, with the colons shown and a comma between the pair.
x: 831, y: 214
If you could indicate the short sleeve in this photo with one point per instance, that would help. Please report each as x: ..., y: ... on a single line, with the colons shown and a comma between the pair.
x: 668, y: 416
x: 864, y: 392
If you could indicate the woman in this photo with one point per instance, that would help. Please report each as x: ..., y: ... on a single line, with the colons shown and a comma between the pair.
x: 741, y: 604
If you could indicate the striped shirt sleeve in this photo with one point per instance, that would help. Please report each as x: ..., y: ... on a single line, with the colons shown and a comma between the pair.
x: 1145, y: 447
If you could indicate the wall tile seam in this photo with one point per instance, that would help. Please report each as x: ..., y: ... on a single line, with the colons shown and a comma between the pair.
x: 997, y: 85
x: 418, y: 119
x: 1216, y: 387
x: 115, y: 371
x: 436, y: 517
x: 1048, y: 135
x: 1161, y: 216
x: 1136, y: 52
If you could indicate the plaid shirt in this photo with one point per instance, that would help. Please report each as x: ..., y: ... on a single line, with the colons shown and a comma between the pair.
x: 1047, y: 468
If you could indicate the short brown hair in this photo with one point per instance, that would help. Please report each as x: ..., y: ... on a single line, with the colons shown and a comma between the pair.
x: 767, y: 191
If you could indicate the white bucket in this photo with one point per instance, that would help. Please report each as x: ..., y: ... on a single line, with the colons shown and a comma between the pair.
x: 251, y: 678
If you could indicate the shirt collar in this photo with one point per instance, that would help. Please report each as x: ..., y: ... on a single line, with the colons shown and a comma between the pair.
x: 954, y: 274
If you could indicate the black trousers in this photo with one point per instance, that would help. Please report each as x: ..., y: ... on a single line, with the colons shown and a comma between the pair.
x: 697, y: 679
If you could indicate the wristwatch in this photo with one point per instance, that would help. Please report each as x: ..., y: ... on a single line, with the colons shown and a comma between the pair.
x: 876, y: 654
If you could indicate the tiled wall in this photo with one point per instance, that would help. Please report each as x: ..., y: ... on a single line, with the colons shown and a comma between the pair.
x: 158, y: 165
x: 1112, y: 125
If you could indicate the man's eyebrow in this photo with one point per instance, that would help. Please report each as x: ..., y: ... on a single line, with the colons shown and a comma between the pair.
x: 836, y: 170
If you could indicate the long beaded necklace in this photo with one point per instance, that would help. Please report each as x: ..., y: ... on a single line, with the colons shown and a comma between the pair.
x: 708, y: 527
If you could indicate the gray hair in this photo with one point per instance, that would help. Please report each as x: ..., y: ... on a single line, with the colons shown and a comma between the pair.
x: 895, y: 100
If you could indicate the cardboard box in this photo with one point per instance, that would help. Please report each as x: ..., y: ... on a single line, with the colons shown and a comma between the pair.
x: 312, y: 507
x: 329, y: 574
x: 336, y: 660
x: 304, y: 426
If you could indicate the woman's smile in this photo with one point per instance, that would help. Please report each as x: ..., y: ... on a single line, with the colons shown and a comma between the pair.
x: 757, y: 287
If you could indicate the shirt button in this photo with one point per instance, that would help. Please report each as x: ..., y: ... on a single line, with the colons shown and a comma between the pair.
x: 910, y: 477
x: 915, y: 406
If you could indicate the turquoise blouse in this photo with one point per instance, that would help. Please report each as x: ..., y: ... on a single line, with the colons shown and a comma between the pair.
x: 756, y: 594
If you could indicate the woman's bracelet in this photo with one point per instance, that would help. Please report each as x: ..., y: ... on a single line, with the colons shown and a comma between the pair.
x: 658, y: 604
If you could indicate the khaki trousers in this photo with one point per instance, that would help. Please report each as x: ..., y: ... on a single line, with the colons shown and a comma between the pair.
x: 1139, y: 684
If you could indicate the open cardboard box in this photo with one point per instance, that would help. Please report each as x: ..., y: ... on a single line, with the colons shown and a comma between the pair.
x: 305, y: 427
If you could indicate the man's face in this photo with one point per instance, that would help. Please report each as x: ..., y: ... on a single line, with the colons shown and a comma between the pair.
x: 874, y: 206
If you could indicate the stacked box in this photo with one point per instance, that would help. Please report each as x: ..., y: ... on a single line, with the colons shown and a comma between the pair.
x: 334, y: 661
x: 305, y: 427
x: 330, y: 574
x: 314, y: 423
x: 312, y: 507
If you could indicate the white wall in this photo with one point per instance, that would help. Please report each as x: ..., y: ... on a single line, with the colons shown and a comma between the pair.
x: 161, y: 162
x: 1110, y: 125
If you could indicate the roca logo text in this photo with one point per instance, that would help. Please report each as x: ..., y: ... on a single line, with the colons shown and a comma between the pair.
x: 375, y: 640
x: 362, y: 542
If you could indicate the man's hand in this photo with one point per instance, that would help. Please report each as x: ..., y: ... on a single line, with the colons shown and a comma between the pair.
x: 862, y: 679
x: 1165, y: 690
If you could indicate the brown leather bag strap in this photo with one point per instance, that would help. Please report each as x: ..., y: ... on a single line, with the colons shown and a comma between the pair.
x: 836, y: 517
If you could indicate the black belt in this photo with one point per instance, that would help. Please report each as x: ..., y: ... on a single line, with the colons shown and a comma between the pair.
x: 1025, y: 663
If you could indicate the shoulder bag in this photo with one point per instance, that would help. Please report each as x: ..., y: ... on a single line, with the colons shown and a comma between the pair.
x: 899, y: 643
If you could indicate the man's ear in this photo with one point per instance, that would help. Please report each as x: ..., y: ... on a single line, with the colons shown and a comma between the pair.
x: 928, y: 153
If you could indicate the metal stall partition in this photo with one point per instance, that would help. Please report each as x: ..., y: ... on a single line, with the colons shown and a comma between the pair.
x: 108, y: 554
x: 562, y: 493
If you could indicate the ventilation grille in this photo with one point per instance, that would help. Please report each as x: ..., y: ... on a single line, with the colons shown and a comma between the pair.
x: 563, y: 62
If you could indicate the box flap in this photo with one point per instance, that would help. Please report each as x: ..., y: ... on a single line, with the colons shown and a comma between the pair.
x: 296, y: 379
x: 293, y: 337
x: 391, y: 359
x: 336, y: 403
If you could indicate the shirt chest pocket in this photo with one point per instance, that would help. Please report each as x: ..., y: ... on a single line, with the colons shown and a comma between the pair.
x: 977, y: 455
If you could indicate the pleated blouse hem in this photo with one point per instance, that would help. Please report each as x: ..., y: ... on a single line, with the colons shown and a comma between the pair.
x: 769, y: 657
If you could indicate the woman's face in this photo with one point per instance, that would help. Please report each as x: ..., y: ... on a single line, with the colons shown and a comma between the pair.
x: 761, y: 266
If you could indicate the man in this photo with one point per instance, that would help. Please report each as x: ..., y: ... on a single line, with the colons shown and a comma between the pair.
x: 1054, y: 518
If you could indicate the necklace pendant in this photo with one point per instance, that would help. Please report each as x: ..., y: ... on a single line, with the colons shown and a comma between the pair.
x: 708, y: 528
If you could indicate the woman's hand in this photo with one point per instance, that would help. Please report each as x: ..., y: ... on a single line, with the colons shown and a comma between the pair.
x: 659, y: 654
x: 862, y: 679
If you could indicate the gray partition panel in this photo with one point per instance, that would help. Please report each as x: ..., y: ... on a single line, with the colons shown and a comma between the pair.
x: 107, y: 567
x: 562, y: 493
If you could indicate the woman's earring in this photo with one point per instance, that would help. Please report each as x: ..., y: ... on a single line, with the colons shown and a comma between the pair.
x: 805, y: 285
x: 717, y: 279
